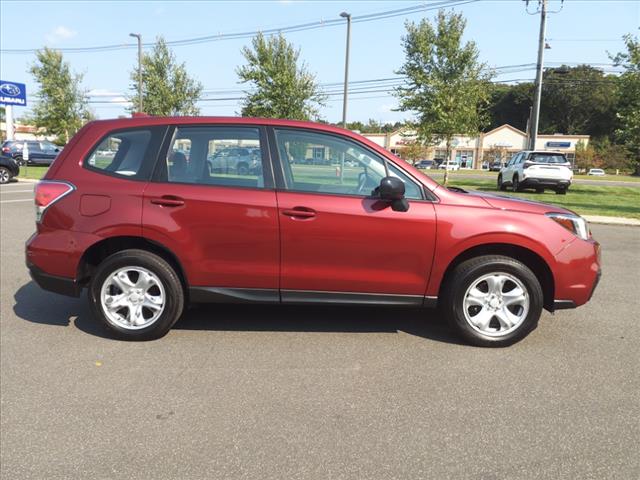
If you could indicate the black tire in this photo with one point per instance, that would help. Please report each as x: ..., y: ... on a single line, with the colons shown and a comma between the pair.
x: 19, y: 161
x: 5, y: 175
x: 242, y: 169
x: 515, y: 184
x: 501, y: 186
x: 468, y: 272
x: 561, y: 191
x: 539, y: 190
x: 174, y: 303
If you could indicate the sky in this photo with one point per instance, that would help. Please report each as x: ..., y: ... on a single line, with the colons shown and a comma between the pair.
x: 582, y: 31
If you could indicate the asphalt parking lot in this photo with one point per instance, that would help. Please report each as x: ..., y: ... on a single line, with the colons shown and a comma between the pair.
x: 306, y: 393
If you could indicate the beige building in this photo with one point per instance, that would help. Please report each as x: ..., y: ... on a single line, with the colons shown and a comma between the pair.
x: 471, y: 152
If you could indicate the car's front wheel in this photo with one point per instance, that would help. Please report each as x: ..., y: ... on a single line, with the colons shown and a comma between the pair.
x: 136, y: 294
x: 493, y: 300
x: 501, y: 185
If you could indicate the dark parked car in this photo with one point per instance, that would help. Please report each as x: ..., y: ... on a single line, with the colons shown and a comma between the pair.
x: 496, y: 166
x: 8, y: 169
x: 40, y: 152
x: 146, y: 234
x: 426, y: 164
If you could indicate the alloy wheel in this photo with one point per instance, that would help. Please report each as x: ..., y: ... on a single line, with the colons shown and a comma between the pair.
x: 132, y: 298
x: 496, y: 304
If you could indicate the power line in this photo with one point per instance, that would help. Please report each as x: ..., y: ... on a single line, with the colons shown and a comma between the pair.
x: 267, y: 32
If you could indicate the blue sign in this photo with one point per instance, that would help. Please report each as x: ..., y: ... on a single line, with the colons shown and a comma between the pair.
x: 558, y: 144
x: 12, y: 93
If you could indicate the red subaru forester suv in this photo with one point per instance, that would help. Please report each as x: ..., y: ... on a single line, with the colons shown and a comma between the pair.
x: 151, y: 213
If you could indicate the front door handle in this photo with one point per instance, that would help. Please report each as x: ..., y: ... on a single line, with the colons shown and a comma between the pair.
x: 168, y: 201
x: 299, y: 212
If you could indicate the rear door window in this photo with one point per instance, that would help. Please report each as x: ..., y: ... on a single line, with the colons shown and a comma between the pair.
x: 127, y: 153
x: 229, y: 156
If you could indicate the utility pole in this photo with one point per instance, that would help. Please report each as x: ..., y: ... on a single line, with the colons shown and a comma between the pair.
x: 139, y: 37
x: 535, y: 118
x: 346, y: 69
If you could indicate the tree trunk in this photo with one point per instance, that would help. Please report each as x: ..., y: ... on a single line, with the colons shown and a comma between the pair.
x: 447, y: 156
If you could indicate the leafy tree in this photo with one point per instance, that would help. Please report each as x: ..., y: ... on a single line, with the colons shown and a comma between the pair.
x: 167, y: 88
x: 628, y: 132
x: 446, y: 85
x: 510, y: 104
x: 61, y: 108
x: 586, y: 156
x: 578, y: 100
x: 414, y: 151
x: 281, y: 88
x: 373, y: 126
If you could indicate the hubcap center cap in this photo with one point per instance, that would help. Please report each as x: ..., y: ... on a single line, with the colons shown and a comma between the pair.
x: 494, y: 302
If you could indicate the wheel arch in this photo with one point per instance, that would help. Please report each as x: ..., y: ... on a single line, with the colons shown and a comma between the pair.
x: 100, y: 250
x: 531, y: 259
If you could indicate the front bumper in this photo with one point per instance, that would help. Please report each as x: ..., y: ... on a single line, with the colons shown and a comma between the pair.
x: 577, y: 273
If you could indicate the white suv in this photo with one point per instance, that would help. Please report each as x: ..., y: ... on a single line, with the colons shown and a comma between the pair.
x: 538, y: 170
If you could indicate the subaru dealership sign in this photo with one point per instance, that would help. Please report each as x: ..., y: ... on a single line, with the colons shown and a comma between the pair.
x: 13, y: 93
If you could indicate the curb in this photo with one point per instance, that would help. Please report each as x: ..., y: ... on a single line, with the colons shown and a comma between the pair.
x: 602, y: 220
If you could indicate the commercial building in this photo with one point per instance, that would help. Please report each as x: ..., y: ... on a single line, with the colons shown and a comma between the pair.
x: 471, y: 152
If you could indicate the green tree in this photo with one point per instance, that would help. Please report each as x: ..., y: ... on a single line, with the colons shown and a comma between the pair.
x: 510, y: 104
x: 628, y: 131
x: 446, y: 85
x: 413, y: 151
x: 167, y: 88
x: 61, y: 106
x: 578, y: 100
x: 280, y: 88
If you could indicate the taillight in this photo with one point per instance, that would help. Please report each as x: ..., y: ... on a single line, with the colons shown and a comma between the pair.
x: 49, y: 192
x: 6, y: 149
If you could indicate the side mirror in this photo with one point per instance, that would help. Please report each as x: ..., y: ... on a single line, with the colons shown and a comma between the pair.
x: 391, y: 189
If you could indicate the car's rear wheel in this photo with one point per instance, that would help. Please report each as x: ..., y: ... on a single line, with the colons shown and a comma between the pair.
x: 493, y: 301
x: 5, y: 175
x: 136, y: 294
x: 515, y: 183
x: 561, y: 191
x: 20, y: 161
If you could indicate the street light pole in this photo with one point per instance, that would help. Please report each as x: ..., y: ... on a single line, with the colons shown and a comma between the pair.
x: 535, y: 119
x: 346, y: 69
x: 139, y: 37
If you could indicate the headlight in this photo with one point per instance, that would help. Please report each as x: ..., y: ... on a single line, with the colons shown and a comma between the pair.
x: 574, y: 223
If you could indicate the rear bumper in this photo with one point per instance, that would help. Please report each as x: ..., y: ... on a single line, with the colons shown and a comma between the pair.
x: 53, y: 283
x: 545, y: 182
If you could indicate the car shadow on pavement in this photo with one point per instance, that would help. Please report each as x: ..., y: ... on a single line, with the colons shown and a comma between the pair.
x: 38, y: 306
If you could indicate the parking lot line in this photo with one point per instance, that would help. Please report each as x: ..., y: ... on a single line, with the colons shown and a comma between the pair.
x: 15, y: 191
x: 15, y: 201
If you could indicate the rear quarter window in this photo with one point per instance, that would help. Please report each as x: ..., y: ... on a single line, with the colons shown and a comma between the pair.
x: 130, y: 153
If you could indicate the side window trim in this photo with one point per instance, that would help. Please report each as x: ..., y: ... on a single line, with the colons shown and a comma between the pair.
x: 160, y: 174
x: 278, y: 165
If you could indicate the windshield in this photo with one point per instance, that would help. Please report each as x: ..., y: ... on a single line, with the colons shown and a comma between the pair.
x: 547, y: 158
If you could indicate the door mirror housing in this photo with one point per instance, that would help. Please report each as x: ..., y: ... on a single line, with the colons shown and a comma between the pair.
x: 391, y: 190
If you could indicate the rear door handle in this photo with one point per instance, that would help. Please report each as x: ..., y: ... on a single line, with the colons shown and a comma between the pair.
x: 299, y: 212
x: 168, y: 201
